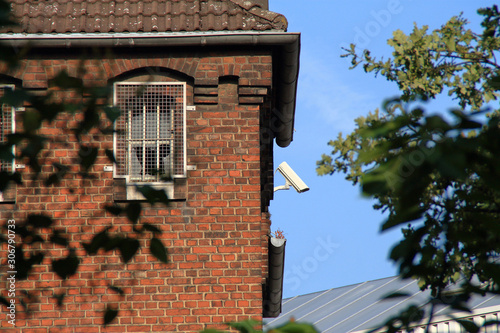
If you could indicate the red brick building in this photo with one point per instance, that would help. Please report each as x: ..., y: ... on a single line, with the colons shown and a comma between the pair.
x: 218, y: 82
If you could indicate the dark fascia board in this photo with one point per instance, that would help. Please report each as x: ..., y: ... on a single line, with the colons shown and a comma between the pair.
x: 287, y: 57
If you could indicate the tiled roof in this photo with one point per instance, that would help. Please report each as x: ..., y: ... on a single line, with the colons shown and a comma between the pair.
x: 114, y: 16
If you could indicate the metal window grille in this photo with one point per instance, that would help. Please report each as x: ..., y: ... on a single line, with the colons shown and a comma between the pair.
x: 7, y: 126
x: 150, y: 133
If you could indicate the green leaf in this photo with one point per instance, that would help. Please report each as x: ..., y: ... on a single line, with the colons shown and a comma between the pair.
x: 452, y: 163
x: 31, y: 120
x: 56, y: 238
x: 133, y: 211
x: 67, y: 266
x: 152, y: 228
x: 112, y: 113
x: 293, y: 327
x: 88, y: 155
x: 117, y: 289
x: 382, y: 129
x: 52, y: 179
x: 90, y: 118
x: 63, y: 80
x: 491, y: 322
x: 4, y: 301
x: 396, y: 295
x: 59, y: 299
x: 39, y: 221
x: 153, y: 195
x: 109, y: 315
x: 113, y: 209
x: 128, y: 248
x: 6, y: 178
x: 6, y: 153
x: 100, y: 240
x: 468, y: 325
x: 15, y: 97
x: 246, y: 326
x: 111, y: 156
x: 56, y: 177
x: 158, y: 250
x: 494, y: 83
x: 434, y: 123
x: 34, y: 239
x: 113, y: 243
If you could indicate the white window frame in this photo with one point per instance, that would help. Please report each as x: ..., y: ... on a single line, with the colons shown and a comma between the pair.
x: 128, y: 158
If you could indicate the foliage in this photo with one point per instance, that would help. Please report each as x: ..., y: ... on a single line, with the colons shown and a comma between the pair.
x: 30, y: 146
x: 437, y: 175
x: 248, y: 326
x: 451, y: 58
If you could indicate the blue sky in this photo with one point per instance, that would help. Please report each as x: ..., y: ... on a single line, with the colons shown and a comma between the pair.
x: 332, y: 233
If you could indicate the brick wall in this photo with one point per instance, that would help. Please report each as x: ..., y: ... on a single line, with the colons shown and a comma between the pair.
x: 215, y: 235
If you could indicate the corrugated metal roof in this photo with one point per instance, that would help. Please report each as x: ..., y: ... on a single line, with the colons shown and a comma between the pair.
x: 105, y: 16
x: 359, y: 307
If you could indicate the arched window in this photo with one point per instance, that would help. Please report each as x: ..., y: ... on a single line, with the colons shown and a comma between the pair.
x: 150, y: 135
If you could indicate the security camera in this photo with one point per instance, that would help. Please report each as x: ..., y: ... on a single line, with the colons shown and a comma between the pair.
x: 291, y: 179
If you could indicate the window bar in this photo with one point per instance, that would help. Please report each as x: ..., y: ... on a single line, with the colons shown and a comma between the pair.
x: 173, y: 151
x: 158, y: 138
x: 184, y: 132
x: 7, y: 126
x: 116, y: 127
x: 129, y: 141
x: 143, y: 139
x: 13, y: 130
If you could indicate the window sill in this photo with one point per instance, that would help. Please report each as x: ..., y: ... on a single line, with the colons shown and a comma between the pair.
x: 133, y: 194
x: 124, y: 191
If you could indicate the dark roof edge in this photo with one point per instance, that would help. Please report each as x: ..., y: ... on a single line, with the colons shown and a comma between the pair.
x: 288, y: 57
x: 287, y: 92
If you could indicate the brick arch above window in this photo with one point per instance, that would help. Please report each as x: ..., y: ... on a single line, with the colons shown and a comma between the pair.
x: 148, y: 73
x: 184, y: 67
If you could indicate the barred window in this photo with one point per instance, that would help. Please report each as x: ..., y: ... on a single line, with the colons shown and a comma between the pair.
x: 150, y: 137
x: 7, y: 126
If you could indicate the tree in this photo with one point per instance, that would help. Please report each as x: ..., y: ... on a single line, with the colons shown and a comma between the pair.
x: 23, y: 254
x: 435, y: 175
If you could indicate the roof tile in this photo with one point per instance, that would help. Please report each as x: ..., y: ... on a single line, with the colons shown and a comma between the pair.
x: 107, y: 16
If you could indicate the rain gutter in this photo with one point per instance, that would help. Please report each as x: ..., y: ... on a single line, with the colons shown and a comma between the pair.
x: 287, y: 61
x: 273, y: 289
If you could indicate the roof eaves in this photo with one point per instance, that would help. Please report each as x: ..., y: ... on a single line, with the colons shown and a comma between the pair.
x: 288, y: 45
